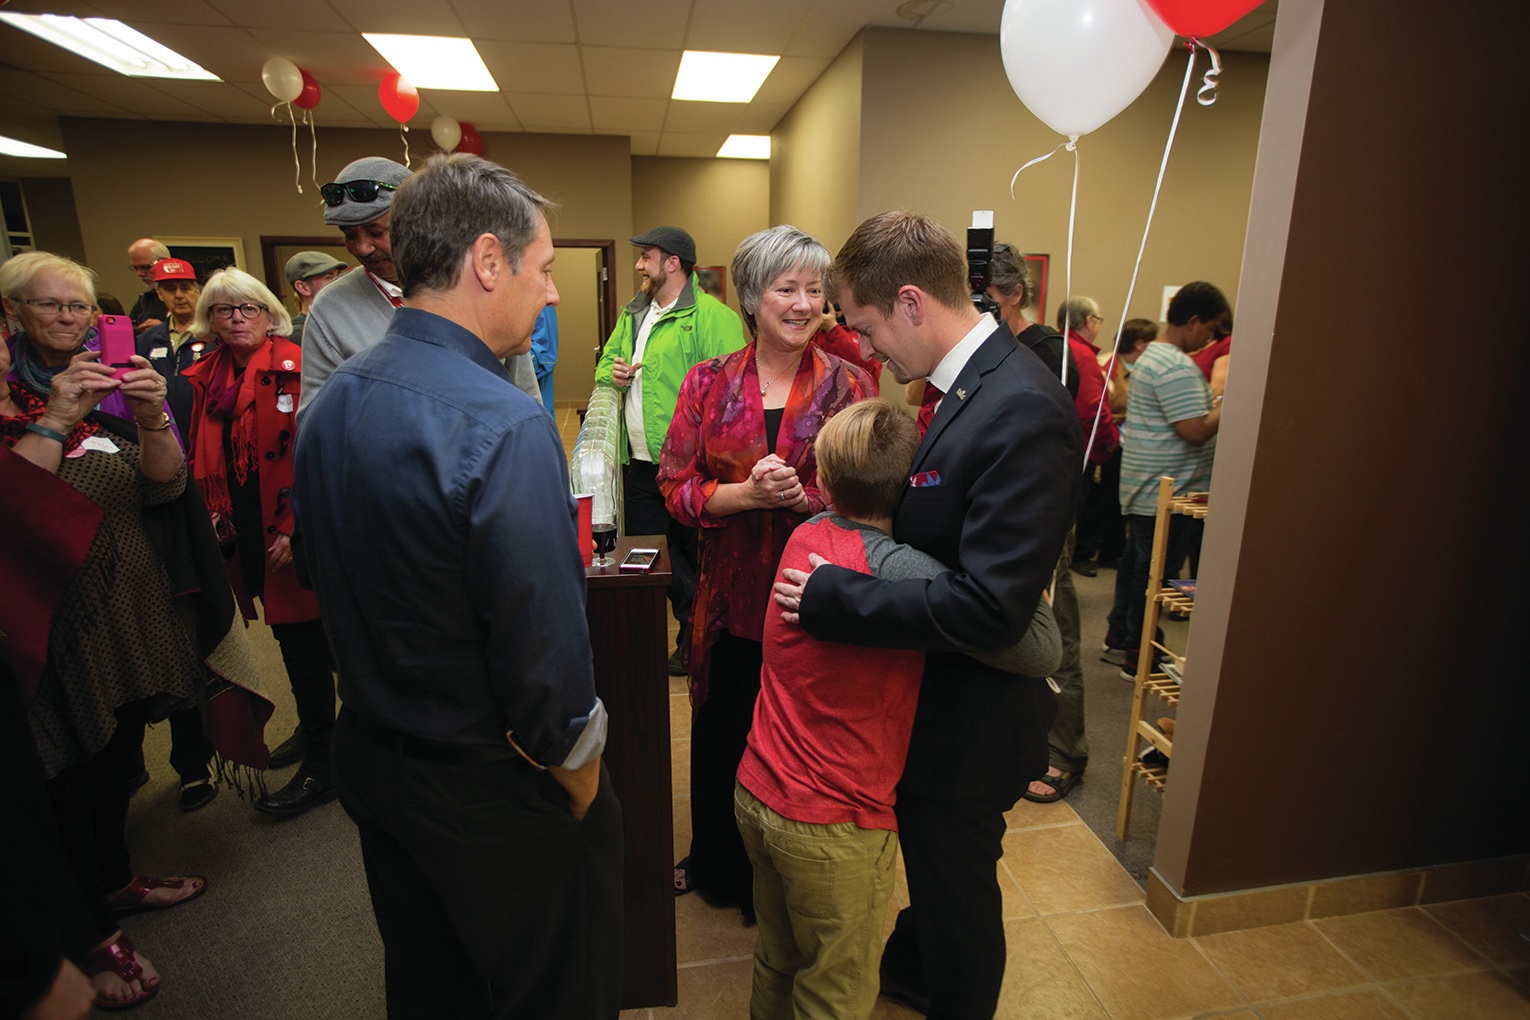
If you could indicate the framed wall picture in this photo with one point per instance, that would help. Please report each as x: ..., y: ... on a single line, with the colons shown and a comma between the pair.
x: 207, y: 254
x: 1038, y: 265
x: 275, y: 251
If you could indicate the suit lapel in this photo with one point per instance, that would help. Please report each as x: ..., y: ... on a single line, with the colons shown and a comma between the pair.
x: 999, y: 345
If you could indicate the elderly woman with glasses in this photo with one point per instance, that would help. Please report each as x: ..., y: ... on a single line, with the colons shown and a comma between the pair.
x: 98, y: 551
x: 738, y: 464
x: 243, y: 425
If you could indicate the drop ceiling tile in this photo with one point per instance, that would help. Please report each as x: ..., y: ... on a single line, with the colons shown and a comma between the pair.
x: 760, y: 118
x: 74, y: 8
x: 562, y: 114
x: 746, y: 27
x: 644, y: 143
x: 830, y: 25
x: 129, y: 93
x: 218, y: 99
x: 363, y: 99
x: 654, y: 24
x: 526, y: 21
x: 703, y: 146
x: 304, y: 15
x: 225, y: 50
x: 621, y: 71
x: 546, y: 68
x: 408, y: 17
x: 790, y: 78
x: 621, y: 115
x: 150, y: 18
x: 700, y: 117
x: 333, y: 58
x: 484, y: 110
x: 56, y: 97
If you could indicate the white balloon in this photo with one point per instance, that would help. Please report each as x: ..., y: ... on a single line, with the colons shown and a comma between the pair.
x: 282, y: 78
x: 446, y: 132
x: 1075, y: 64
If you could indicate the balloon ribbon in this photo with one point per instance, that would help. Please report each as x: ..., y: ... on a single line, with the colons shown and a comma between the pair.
x: 403, y: 132
x: 297, y: 164
x: 1072, y: 146
x: 1207, y: 93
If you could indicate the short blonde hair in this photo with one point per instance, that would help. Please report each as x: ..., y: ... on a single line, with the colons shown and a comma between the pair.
x: 17, y: 273
x: 864, y: 454
x: 234, y: 287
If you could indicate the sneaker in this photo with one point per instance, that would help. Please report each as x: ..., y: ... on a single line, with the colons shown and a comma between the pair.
x: 1129, y: 667
x: 197, y: 794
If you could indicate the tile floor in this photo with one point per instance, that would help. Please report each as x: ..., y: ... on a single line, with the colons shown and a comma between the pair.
x: 1082, y: 945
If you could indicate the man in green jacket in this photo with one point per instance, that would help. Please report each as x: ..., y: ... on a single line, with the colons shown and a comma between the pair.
x: 671, y: 325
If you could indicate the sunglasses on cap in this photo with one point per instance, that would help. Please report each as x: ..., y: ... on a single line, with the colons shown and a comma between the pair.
x: 359, y: 191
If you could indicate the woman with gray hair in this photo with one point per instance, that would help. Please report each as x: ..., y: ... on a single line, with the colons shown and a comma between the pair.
x: 738, y: 464
x: 244, y: 399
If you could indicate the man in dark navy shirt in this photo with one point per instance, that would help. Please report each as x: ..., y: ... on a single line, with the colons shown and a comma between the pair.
x: 441, y: 539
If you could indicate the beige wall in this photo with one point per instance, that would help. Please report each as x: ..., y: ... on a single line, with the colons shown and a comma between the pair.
x: 50, y: 207
x: 943, y: 132
x: 815, y: 166
x: 238, y: 181
x: 719, y: 201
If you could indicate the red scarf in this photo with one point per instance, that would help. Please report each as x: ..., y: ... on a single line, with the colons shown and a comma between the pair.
x: 32, y: 408
x: 230, y: 404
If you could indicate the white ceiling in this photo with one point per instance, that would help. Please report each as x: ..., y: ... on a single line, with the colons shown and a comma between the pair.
x: 565, y: 66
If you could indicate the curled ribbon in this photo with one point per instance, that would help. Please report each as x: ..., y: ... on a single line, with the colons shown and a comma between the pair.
x: 1207, y: 93
x: 403, y: 132
x: 313, y: 165
x: 1072, y: 146
x: 297, y: 164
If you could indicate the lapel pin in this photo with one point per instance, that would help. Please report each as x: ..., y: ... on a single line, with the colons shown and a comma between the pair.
x: 961, y: 394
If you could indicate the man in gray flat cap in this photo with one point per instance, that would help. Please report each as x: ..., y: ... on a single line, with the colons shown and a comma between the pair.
x: 309, y: 272
x: 352, y: 313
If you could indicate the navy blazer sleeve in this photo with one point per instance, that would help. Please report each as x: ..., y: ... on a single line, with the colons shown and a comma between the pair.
x: 1008, y: 459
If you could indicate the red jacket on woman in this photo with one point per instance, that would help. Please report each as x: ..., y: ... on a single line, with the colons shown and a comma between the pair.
x: 278, y: 367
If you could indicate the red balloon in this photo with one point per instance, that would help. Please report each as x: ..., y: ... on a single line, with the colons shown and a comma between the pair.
x: 399, y: 98
x: 1197, y: 19
x: 309, y: 97
x: 472, y: 141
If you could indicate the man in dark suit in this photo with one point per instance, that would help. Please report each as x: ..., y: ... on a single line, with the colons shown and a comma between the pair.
x: 991, y: 494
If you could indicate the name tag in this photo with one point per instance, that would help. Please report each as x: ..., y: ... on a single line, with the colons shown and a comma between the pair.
x: 100, y: 444
x: 155, y: 353
x: 284, y: 403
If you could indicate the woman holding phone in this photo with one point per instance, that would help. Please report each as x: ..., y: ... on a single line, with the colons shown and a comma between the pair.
x: 116, y: 654
x: 244, y: 399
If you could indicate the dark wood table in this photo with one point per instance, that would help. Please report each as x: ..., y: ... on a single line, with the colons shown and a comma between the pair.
x: 629, y: 635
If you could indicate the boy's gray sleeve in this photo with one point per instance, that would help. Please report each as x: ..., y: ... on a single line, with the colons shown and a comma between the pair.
x: 1038, y: 653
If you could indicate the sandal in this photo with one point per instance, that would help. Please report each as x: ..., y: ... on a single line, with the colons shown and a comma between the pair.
x: 1060, y: 785
x: 683, y: 877
x: 120, y: 957
x: 133, y: 898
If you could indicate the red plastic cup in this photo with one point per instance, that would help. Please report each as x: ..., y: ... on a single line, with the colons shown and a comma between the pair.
x: 586, y: 537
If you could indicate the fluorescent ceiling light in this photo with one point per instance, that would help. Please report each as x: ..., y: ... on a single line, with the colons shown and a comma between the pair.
x: 435, y: 61
x: 745, y: 147
x: 111, y: 44
x: 721, y: 77
x: 11, y: 147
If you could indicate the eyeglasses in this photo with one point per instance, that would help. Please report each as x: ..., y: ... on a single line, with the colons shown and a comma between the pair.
x: 246, y: 310
x: 48, y: 306
x: 359, y: 191
x: 141, y: 268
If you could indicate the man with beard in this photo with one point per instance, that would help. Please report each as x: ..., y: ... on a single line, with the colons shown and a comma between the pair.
x: 671, y: 325
x: 352, y: 313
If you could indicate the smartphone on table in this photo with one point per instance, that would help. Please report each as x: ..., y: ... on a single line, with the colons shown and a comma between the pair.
x: 640, y: 560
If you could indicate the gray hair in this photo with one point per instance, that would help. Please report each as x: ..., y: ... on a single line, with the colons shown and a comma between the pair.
x: 234, y: 287
x: 155, y: 248
x: 17, y: 273
x: 764, y: 256
x: 1075, y: 310
x: 1009, y: 274
x: 440, y: 211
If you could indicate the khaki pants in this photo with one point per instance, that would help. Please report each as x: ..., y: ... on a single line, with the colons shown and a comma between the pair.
x: 820, y: 893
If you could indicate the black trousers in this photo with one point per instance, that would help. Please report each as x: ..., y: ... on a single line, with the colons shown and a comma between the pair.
x: 490, y: 899
x: 310, y: 670
x: 720, y: 866
x: 647, y: 515
x: 90, y: 806
x: 1101, y: 526
x: 949, y: 943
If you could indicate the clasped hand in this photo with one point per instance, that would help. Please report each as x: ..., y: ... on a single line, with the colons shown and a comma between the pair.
x: 774, y: 483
